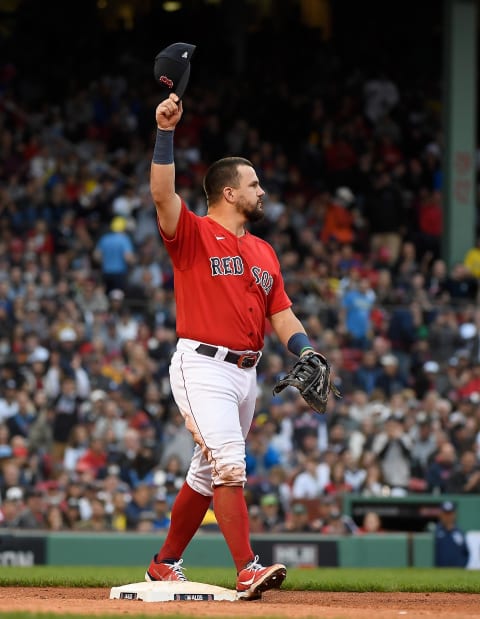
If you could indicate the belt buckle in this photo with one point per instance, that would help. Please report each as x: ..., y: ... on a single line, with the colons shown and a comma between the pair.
x: 248, y: 360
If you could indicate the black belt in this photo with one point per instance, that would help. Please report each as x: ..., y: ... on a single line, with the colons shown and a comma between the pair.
x: 244, y: 361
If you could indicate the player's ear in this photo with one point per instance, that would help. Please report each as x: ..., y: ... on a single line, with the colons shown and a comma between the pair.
x: 228, y: 194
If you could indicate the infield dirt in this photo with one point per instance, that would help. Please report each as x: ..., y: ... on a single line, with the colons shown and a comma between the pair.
x: 302, y: 604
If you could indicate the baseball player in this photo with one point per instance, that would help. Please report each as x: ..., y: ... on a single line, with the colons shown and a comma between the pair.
x: 227, y: 281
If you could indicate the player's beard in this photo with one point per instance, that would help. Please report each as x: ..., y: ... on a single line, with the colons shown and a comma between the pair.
x: 251, y: 213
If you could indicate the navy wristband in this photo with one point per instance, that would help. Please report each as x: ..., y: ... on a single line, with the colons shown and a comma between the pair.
x: 298, y: 343
x: 163, y: 150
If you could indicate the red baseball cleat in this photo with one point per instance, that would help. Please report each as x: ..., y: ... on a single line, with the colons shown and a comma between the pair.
x: 254, y: 579
x: 165, y: 571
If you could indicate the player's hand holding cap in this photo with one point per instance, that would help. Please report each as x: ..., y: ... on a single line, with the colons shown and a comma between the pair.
x: 172, y: 69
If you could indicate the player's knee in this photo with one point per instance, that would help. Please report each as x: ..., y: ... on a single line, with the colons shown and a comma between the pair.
x: 228, y: 471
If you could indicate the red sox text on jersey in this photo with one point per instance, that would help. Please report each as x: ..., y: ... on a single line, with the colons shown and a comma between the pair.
x: 233, y: 265
x: 225, y: 286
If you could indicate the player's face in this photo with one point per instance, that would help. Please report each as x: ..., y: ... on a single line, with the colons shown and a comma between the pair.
x: 249, y: 195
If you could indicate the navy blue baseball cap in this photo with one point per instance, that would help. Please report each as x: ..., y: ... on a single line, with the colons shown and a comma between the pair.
x: 447, y: 506
x: 172, y: 69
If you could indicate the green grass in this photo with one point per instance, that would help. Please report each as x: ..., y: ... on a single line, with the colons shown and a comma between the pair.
x: 319, y: 579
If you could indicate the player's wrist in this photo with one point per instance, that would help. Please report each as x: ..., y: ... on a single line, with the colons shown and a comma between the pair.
x: 299, y: 344
x: 306, y: 351
x: 163, y: 149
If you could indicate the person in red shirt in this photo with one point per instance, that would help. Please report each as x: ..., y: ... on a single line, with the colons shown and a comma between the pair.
x: 227, y: 283
x: 95, y: 457
x: 430, y: 222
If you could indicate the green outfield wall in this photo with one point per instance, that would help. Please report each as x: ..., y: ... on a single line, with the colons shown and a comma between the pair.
x: 209, y: 549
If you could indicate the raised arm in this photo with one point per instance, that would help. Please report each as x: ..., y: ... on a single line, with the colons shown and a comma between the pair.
x: 162, y: 174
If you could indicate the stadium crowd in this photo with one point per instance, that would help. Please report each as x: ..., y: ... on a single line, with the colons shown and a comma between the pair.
x: 90, y: 438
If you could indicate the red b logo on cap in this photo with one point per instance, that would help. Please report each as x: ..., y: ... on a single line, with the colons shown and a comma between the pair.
x: 165, y: 80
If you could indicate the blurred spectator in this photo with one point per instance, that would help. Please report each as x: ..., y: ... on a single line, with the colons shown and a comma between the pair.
x: 5, y: 447
x: 71, y: 512
x: 98, y: 519
x: 161, y: 519
x: 393, y: 449
x: 142, y: 467
x: 142, y: 500
x: 33, y: 516
x: 109, y: 424
x: 366, y: 375
x: 354, y: 474
x: 357, y: 304
x: 272, y: 518
x: 338, y: 223
x: 127, y: 453
x: 176, y: 440
x: 21, y: 422
x: 298, y: 520
x: 430, y: 223
x: 440, y: 469
x: 380, y: 96
x: 460, y: 285
x: 115, y: 253
x: 311, y: 481
x: 471, y: 338
x: 371, y: 523
x: 472, y: 259
x: 260, y: 455
x: 424, y: 445
x: 338, y: 523
x: 338, y: 484
x: 8, y: 403
x: 66, y: 409
x: 11, y: 507
x: 76, y: 446
x: 90, y: 298
x: 451, y: 548
x: 276, y: 483
x: 465, y: 479
x: 255, y: 519
x: 94, y: 458
x: 391, y: 379
x: 374, y: 483
x: 361, y: 439
x: 11, y: 475
x: 55, y: 518
x: 118, y: 516
x: 385, y: 212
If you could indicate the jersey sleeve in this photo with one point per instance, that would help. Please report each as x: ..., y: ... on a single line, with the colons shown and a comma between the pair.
x: 181, y: 248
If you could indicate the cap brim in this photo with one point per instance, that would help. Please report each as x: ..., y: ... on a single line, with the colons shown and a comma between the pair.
x: 182, y: 84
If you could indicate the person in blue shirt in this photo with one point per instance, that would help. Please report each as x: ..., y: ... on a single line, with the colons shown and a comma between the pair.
x: 161, y: 520
x: 356, y: 306
x: 115, y: 253
x: 366, y: 375
x: 451, y: 548
x: 260, y: 455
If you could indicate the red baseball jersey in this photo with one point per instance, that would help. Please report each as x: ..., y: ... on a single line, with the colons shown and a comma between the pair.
x: 225, y: 286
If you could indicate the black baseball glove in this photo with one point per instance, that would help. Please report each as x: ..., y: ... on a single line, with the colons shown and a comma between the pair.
x: 311, y: 376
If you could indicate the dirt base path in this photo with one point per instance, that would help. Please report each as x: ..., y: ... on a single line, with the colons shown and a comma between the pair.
x: 301, y: 604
